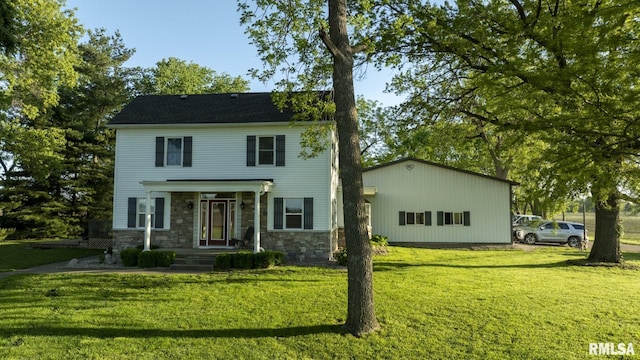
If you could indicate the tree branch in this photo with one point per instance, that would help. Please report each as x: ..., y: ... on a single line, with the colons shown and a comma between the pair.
x: 333, y: 49
x: 359, y: 48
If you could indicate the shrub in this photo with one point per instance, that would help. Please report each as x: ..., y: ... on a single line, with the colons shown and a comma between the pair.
x: 165, y: 258
x: 4, y: 233
x: 267, y: 259
x: 341, y: 256
x: 223, y: 262
x: 147, y: 259
x: 379, y: 240
x: 243, y: 260
x: 278, y: 257
x: 151, y: 247
x: 130, y: 256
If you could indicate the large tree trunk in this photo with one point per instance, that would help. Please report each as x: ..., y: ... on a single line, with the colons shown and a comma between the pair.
x: 606, y: 247
x: 361, y: 317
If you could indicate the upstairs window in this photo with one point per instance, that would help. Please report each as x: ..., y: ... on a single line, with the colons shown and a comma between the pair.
x: 174, y: 151
x: 266, y: 150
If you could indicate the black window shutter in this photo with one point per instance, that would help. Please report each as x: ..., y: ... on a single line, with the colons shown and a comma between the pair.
x: 159, y: 213
x: 466, y: 218
x: 132, y: 205
x: 251, y: 150
x: 280, y: 152
x: 277, y: 213
x: 440, y: 218
x: 187, y: 151
x: 160, y: 151
x: 308, y: 213
x: 427, y: 218
x: 401, y: 218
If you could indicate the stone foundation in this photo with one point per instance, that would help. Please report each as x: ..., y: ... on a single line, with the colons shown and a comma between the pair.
x: 180, y: 235
x: 300, y: 245
x: 296, y: 245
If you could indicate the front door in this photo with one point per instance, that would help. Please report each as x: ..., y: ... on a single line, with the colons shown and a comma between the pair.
x: 216, y: 222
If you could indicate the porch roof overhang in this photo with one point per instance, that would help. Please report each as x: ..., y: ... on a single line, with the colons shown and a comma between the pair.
x: 224, y: 185
x: 366, y: 190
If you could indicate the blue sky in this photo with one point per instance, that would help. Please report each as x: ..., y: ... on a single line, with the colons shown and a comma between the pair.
x: 206, y: 32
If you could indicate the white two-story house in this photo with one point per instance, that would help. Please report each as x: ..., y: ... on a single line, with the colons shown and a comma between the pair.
x: 197, y: 171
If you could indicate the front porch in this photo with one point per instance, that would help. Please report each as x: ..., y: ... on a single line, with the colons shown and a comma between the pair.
x: 205, y: 216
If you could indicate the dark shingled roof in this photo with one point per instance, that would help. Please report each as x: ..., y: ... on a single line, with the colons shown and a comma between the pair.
x: 201, y: 109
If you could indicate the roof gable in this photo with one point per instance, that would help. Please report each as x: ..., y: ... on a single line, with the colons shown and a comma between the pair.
x: 373, y: 168
x: 237, y: 108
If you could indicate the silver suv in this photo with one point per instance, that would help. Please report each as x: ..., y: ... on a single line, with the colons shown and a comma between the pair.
x: 564, y: 232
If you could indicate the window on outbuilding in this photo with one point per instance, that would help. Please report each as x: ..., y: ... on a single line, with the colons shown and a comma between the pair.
x: 414, y: 218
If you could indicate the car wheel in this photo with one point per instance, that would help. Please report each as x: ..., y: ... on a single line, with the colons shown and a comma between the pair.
x: 530, y: 239
x: 574, y: 241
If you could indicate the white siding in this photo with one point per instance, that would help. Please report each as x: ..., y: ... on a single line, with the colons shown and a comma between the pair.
x: 219, y: 152
x: 419, y: 187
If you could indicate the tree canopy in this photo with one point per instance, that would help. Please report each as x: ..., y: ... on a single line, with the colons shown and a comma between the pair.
x: 562, y: 72
x: 173, y: 76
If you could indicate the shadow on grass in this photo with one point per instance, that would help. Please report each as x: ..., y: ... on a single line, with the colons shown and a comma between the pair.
x: 580, y: 261
x: 387, y: 266
x: 103, y: 333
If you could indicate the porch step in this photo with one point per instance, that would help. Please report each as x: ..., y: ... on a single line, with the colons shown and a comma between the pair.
x: 193, y: 262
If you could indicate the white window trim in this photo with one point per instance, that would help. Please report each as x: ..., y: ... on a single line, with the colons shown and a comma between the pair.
x: 166, y: 151
x: 285, y: 214
x: 273, y: 150
x: 140, y: 202
x: 415, y: 218
x: 453, y: 218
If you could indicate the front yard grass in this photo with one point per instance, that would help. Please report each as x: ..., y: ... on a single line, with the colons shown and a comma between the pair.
x: 432, y: 304
x: 16, y: 255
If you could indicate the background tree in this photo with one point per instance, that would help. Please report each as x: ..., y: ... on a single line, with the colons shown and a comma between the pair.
x: 85, y: 181
x: 78, y: 185
x: 8, y: 24
x: 568, y: 66
x: 173, y: 76
x: 286, y: 35
x: 42, y: 60
x: 373, y: 120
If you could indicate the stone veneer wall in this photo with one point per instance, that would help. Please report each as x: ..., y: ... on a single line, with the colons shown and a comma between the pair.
x: 297, y: 245
x: 180, y: 234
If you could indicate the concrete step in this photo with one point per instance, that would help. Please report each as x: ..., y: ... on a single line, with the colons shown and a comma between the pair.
x: 209, y: 260
x: 196, y: 262
x: 195, y: 267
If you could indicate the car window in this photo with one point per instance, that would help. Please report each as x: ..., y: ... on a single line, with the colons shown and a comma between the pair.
x: 563, y: 226
x: 578, y: 226
x: 549, y: 226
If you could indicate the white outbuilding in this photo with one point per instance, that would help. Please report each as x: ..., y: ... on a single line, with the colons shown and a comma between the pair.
x: 417, y: 201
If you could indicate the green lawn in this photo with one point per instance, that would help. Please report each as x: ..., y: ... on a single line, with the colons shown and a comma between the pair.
x: 19, y: 255
x: 630, y: 224
x: 432, y: 304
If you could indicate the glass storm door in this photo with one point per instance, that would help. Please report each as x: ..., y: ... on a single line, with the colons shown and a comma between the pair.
x: 216, y: 222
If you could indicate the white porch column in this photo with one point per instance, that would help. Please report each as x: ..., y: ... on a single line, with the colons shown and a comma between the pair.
x: 147, y: 227
x: 256, y: 222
